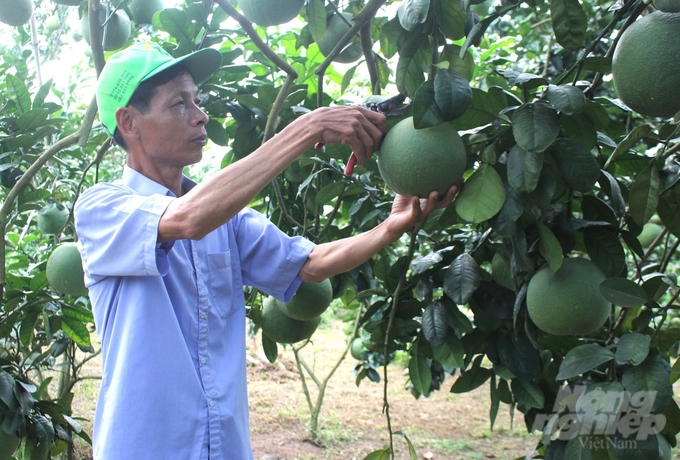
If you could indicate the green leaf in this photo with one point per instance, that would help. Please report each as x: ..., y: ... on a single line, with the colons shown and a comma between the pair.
x: 569, y: 23
x: 413, y: 62
x: 329, y: 192
x: 623, y: 292
x: 435, y: 323
x: 524, y: 168
x: 412, y: 13
x: 644, y: 194
x: 32, y: 119
x: 577, y: 449
x: 347, y: 78
x: 17, y: 91
x: 669, y: 211
x: 632, y: 348
x: 528, y: 393
x: 471, y: 379
x: 652, y: 377
x: 582, y: 359
x: 535, y: 126
x: 550, y: 247
x: 567, y: 99
x: 426, y: 112
x: 638, y: 133
x: 43, y: 427
x: 43, y: 92
x: 382, y: 454
x: 7, y: 389
x: 76, y: 330
x: 524, y: 80
x: 519, y: 355
x: 452, y: 93
x: 419, y: 373
x: 675, y: 371
x: 451, y: 352
x: 451, y: 19
x: 464, y: 66
x: 482, y: 196
x: 270, y: 348
x: 576, y: 163
x: 462, y: 279
x: 598, y: 64
x: 316, y: 19
x: 411, y: 450
x: 217, y: 133
x: 177, y: 24
x: 605, y: 249
x: 483, y: 109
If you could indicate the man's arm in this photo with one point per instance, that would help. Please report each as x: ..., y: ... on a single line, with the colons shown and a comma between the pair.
x: 216, y: 200
x: 329, y: 259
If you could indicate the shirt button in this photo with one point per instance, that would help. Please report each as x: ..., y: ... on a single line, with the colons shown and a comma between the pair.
x: 203, y: 360
x: 212, y: 403
x: 202, y: 315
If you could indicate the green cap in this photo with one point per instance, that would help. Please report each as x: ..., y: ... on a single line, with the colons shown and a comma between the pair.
x: 125, y: 70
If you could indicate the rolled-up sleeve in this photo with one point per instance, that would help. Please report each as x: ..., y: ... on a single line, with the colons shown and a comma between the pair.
x: 270, y: 259
x: 118, y: 231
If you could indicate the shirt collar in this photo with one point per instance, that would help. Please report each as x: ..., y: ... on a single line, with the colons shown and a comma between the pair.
x: 145, y: 186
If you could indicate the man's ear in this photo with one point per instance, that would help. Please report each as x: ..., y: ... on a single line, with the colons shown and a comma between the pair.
x: 125, y: 121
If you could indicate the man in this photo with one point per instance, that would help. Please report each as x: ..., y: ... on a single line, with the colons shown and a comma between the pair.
x: 166, y: 259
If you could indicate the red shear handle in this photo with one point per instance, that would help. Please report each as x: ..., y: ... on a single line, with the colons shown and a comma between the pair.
x: 349, y: 169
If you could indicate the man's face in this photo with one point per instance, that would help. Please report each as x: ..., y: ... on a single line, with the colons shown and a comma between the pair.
x: 172, y: 132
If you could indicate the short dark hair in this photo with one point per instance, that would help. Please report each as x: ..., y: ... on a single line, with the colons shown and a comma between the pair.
x: 141, y: 98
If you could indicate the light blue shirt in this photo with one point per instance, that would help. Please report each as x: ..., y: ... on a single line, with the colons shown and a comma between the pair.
x: 171, y: 320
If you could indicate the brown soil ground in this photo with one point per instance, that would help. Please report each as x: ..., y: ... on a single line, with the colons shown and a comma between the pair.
x: 351, y: 422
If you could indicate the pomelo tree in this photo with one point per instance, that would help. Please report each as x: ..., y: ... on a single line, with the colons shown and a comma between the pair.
x: 557, y: 167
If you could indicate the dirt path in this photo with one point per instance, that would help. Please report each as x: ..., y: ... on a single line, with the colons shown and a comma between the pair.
x: 443, y: 426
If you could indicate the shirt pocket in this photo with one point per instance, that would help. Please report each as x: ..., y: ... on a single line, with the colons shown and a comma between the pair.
x: 221, y: 282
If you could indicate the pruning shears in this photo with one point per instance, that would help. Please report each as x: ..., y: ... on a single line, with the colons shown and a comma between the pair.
x: 389, y: 107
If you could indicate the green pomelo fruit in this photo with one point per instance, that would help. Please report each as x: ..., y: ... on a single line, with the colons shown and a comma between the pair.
x: 336, y: 28
x: 68, y: 2
x: 116, y: 32
x: 8, y: 444
x: 16, y: 12
x: 142, y: 11
x: 52, y: 23
x: 568, y: 302
x: 65, y: 270
x: 310, y: 300
x: 667, y: 6
x: 271, y: 12
x: 357, y: 348
x: 52, y: 218
x: 281, y: 328
x: 417, y: 161
x: 649, y: 233
x: 645, y: 66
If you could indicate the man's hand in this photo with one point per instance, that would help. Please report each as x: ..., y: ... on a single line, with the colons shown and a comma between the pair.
x: 352, y: 125
x: 409, y: 212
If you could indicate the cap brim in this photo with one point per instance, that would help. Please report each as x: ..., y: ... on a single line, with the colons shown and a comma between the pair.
x: 201, y: 64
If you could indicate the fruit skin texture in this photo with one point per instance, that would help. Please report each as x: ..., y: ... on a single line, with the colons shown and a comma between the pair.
x: 142, y: 11
x: 568, y: 302
x: 118, y: 33
x: 357, y: 348
x: 667, y: 6
x: 52, y: 218
x: 310, y: 300
x: 65, y: 270
x: 336, y: 28
x: 284, y: 329
x: 649, y: 233
x: 417, y: 161
x: 16, y: 12
x: 645, y: 66
x: 271, y: 12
